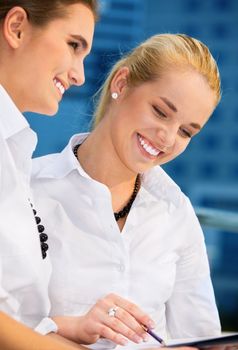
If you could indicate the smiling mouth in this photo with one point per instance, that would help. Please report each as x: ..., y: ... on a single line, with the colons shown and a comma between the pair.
x: 146, y: 145
x: 59, y: 86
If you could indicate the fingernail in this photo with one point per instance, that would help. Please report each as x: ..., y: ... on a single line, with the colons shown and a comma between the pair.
x: 137, y: 339
x: 124, y: 342
x: 151, y: 324
x: 145, y: 337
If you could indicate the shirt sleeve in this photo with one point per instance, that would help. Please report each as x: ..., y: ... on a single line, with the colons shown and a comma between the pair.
x: 46, y: 326
x: 10, y: 306
x: 191, y: 310
x: 8, y: 303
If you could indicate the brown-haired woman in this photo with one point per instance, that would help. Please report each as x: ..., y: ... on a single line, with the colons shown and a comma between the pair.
x: 42, y: 48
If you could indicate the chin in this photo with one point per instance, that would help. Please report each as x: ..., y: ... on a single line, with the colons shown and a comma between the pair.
x: 139, y: 169
x: 51, y: 114
x: 49, y: 110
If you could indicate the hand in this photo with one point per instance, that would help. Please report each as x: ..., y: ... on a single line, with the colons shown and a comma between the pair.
x: 97, y: 323
x: 126, y: 323
x: 175, y: 348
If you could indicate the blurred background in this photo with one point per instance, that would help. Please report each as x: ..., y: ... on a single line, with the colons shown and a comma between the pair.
x: 208, y: 171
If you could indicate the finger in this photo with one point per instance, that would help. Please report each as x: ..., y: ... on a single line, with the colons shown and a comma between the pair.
x: 175, y: 348
x: 131, y: 323
x: 103, y: 322
x: 119, y: 327
x: 125, y: 317
x: 108, y: 333
x: 140, y: 316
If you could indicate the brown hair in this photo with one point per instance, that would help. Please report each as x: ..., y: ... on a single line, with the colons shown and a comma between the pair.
x: 40, y: 12
x: 148, y: 61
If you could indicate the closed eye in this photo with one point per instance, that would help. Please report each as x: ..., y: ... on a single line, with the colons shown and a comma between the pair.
x: 185, y: 133
x: 159, y: 112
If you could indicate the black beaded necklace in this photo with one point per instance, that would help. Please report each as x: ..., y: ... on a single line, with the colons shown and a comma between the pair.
x: 43, y: 236
x: 126, y: 209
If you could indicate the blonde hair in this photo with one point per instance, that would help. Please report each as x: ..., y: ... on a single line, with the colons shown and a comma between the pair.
x: 149, y: 60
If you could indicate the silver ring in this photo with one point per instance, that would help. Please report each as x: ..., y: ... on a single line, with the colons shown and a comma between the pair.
x: 112, y: 311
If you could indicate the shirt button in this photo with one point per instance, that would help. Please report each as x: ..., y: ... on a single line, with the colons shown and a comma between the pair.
x: 121, y: 267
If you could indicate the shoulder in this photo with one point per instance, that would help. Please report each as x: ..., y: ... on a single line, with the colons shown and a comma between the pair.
x: 162, y: 187
x: 167, y: 199
x: 163, y: 192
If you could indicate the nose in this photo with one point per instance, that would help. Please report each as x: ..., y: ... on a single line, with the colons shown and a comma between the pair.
x: 166, y: 137
x: 76, y: 74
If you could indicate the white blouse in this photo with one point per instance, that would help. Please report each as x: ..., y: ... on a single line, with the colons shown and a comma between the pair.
x: 24, y: 276
x: 158, y: 261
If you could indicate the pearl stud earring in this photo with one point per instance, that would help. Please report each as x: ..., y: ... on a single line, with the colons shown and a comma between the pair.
x: 114, y: 95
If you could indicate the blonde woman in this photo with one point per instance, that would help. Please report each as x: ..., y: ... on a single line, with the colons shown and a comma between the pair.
x: 118, y: 223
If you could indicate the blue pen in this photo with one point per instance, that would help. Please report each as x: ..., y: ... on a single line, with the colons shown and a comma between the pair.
x: 155, y: 336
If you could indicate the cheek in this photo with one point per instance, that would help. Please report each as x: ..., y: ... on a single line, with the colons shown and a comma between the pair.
x: 121, y: 122
x: 178, y: 149
x: 181, y: 146
x: 60, y: 57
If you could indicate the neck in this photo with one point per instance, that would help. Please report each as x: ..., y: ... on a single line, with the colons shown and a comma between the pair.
x: 7, y: 85
x: 12, y: 78
x: 100, y: 161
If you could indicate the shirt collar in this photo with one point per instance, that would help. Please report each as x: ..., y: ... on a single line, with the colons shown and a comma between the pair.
x: 156, y: 184
x: 12, y: 120
x: 61, y: 164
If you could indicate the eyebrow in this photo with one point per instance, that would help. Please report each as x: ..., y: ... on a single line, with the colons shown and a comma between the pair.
x: 82, y: 39
x: 174, y: 109
x: 196, y: 126
x: 169, y: 104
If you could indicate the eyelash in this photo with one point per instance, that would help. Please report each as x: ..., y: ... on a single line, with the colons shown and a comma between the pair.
x: 184, y: 132
x: 75, y: 45
x: 159, y: 112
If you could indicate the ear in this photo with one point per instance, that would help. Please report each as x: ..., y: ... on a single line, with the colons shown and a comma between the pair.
x: 14, y: 26
x: 119, y: 81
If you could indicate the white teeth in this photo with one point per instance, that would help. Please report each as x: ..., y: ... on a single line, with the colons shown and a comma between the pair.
x: 59, y: 86
x: 148, y: 148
